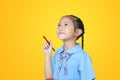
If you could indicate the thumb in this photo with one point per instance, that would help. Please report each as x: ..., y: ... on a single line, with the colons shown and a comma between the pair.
x: 50, y: 43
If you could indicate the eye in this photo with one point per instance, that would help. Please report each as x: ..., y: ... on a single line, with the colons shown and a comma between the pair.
x: 59, y: 25
x: 66, y: 24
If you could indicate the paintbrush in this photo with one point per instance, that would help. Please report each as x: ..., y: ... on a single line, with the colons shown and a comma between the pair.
x: 48, y: 42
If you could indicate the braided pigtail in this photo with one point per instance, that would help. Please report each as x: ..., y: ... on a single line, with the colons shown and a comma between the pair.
x: 82, y: 41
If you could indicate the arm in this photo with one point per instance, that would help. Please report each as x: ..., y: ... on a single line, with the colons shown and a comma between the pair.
x: 47, y: 68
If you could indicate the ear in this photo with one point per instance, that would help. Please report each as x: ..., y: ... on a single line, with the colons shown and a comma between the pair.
x: 78, y: 32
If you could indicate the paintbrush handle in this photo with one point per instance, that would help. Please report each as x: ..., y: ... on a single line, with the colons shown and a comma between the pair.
x: 48, y: 42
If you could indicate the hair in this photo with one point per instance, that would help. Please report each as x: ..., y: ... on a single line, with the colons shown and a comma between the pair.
x: 78, y: 24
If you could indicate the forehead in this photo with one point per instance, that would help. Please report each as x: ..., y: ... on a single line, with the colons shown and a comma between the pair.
x: 65, y: 19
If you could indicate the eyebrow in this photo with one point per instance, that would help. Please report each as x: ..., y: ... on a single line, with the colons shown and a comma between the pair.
x: 64, y: 22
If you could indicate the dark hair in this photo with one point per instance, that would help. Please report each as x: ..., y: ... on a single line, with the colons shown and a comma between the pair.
x: 78, y: 24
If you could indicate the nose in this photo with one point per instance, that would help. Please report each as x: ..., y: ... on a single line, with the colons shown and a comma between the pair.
x: 61, y: 28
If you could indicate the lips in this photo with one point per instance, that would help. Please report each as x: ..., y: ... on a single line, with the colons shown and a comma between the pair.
x: 61, y: 33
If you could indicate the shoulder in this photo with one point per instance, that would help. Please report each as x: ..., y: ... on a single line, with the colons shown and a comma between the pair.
x: 83, y: 55
x: 80, y: 52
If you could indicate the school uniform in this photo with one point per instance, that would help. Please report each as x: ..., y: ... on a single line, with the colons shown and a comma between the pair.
x: 72, y: 64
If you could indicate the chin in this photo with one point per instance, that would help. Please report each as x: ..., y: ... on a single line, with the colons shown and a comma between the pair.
x: 61, y: 37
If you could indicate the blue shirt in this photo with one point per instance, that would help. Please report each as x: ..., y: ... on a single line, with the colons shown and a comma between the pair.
x: 78, y: 65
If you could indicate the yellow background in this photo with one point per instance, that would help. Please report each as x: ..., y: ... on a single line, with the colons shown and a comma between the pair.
x: 23, y: 22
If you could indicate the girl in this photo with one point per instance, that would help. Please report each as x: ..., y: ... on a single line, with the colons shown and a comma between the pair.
x: 70, y: 62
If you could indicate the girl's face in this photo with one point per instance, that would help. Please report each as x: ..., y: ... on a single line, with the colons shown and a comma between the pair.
x: 65, y: 30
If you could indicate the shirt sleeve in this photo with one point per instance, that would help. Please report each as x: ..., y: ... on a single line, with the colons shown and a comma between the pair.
x: 86, y: 69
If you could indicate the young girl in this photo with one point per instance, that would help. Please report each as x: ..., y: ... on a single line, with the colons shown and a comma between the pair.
x: 70, y: 62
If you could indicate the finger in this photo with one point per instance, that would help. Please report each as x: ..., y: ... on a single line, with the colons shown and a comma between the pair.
x: 46, y: 46
x: 50, y: 43
x: 43, y: 48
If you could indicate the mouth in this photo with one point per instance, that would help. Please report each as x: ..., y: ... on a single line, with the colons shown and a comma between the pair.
x: 61, y: 33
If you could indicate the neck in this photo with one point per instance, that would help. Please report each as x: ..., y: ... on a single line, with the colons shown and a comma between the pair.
x: 69, y: 44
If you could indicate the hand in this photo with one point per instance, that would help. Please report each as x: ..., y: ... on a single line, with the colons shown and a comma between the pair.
x: 47, y: 48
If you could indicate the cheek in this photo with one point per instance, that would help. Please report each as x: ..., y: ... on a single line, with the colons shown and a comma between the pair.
x: 71, y: 31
